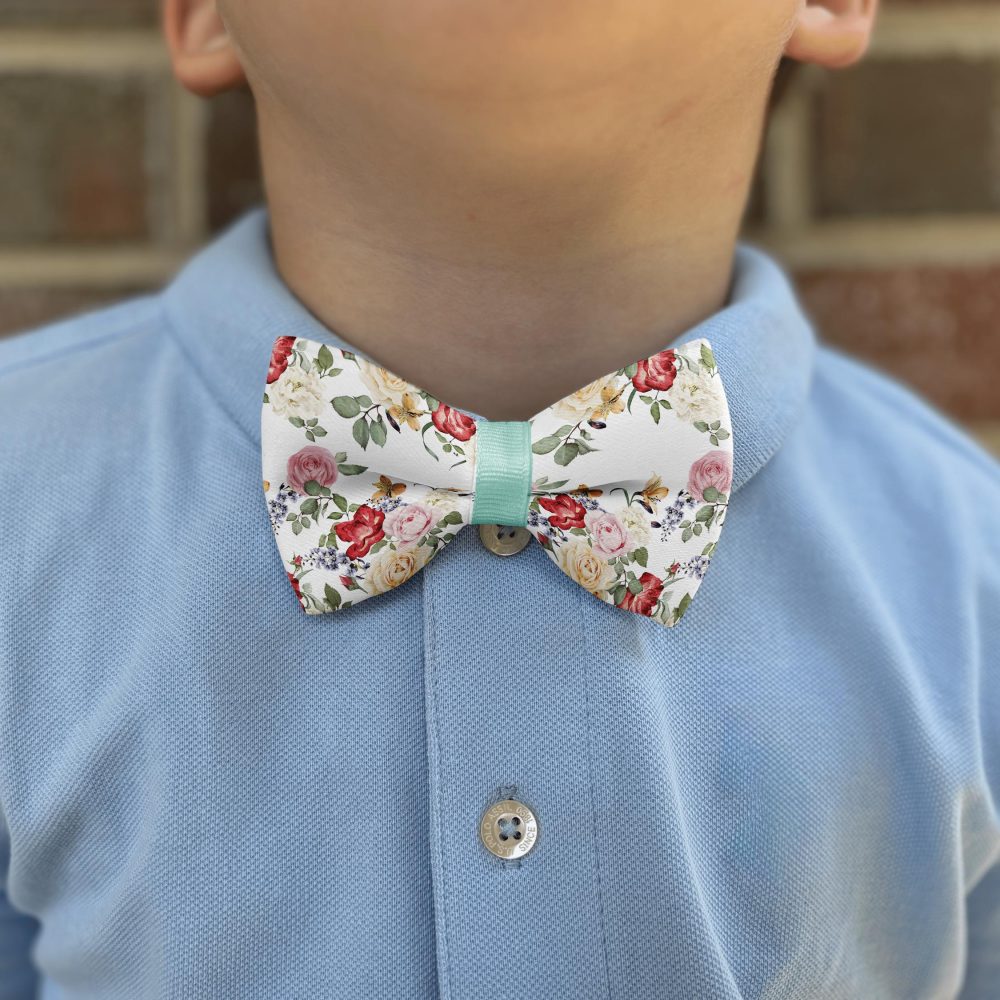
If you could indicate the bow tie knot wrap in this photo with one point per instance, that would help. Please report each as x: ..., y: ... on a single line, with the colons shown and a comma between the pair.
x: 624, y: 482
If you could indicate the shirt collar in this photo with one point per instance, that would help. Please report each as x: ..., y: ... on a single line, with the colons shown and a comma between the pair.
x: 228, y: 303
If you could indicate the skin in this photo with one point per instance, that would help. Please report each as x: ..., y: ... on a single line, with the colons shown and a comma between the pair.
x: 502, y: 200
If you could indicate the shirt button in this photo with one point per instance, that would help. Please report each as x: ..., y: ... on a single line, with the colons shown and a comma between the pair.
x: 504, y: 539
x: 508, y: 829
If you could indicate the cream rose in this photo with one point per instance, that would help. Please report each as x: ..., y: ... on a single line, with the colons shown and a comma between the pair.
x: 580, y: 404
x: 297, y: 394
x: 385, y: 387
x: 581, y: 563
x: 444, y: 501
x: 636, y: 523
x: 391, y: 567
x: 695, y: 396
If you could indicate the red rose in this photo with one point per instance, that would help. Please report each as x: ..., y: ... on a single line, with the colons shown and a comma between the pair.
x: 311, y: 462
x: 279, y: 358
x: 656, y: 372
x: 363, y: 530
x: 564, y: 511
x: 674, y: 567
x: 295, y: 586
x: 347, y: 582
x: 448, y: 420
x: 643, y: 602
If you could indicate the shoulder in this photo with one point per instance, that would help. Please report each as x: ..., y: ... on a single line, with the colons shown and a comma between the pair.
x: 70, y: 388
x: 39, y: 366
x: 889, y: 429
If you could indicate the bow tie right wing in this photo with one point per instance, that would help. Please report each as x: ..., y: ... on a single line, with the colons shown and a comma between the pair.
x: 631, y: 479
x: 366, y: 476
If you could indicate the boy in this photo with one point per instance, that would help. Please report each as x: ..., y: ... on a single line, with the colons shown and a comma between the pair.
x: 358, y: 735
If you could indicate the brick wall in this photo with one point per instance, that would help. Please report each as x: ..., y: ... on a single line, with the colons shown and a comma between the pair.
x: 878, y: 186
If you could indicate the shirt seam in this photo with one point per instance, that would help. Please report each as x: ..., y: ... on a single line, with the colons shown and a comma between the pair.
x: 589, y: 661
x: 128, y: 328
x: 182, y: 349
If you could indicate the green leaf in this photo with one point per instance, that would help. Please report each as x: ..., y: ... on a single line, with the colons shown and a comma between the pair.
x: 634, y: 586
x: 710, y: 494
x: 697, y: 529
x: 565, y: 453
x: 310, y: 436
x: 346, y: 406
x: 351, y: 470
x: 310, y: 506
x: 646, y: 399
x: 377, y: 431
x: 686, y: 534
x: 313, y: 488
x: 631, y: 396
x: 619, y: 593
x: 364, y: 401
x: 360, y: 431
x: 452, y: 517
x: 446, y: 448
x: 563, y: 431
x: 546, y: 444
x: 654, y: 412
x: 722, y: 435
x: 332, y: 596
x: 714, y: 425
x: 334, y: 371
x: 705, y: 513
x: 340, y: 501
x: 682, y: 607
x: 341, y: 456
x: 631, y: 369
x: 707, y: 358
x: 700, y: 425
x: 584, y: 448
x: 640, y: 555
x: 296, y: 421
x: 713, y: 439
x: 324, y: 358
x: 296, y: 527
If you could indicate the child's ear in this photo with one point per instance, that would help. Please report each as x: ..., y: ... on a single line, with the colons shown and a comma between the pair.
x: 832, y: 33
x: 201, y: 50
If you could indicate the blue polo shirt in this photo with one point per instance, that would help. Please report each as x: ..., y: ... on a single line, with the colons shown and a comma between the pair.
x: 205, y: 793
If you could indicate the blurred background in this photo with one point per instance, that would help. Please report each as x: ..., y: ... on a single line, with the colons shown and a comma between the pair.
x: 878, y: 187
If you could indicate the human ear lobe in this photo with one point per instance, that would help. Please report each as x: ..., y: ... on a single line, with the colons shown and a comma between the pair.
x: 201, y: 51
x: 832, y: 33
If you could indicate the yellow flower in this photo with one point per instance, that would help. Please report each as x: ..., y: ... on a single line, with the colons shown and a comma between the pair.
x: 585, y: 490
x: 611, y: 402
x: 654, y: 491
x: 267, y: 485
x: 407, y: 411
x: 385, y: 489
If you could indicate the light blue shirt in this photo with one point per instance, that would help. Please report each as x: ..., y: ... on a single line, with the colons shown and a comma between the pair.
x: 206, y: 793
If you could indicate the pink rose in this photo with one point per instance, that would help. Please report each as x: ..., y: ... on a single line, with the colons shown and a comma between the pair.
x: 713, y: 469
x: 608, y: 537
x: 408, y: 523
x: 312, y: 462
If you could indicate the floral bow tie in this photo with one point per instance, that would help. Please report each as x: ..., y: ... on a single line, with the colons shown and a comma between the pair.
x: 367, y: 477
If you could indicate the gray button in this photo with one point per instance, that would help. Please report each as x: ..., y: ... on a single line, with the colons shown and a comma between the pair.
x: 504, y: 539
x: 508, y: 829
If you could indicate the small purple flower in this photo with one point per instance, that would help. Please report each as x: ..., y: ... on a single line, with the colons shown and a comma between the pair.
x: 697, y: 566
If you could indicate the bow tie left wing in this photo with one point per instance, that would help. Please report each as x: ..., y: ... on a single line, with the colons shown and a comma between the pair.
x: 631, y: 480
x: 366, y: 476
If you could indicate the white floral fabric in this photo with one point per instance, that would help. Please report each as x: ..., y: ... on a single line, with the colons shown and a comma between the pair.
x: 367, y: 477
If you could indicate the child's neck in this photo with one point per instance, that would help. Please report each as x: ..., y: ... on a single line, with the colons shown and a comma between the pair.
x: 503, y: 299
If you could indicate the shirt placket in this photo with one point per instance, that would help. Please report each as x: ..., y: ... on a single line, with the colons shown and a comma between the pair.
x: 507, y: 687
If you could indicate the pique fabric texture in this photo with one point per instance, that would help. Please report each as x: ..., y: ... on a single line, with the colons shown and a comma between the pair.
x: 399, y: 473
x: 206, y: 793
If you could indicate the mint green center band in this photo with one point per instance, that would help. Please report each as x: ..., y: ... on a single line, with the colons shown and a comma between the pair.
x: 503, y: 472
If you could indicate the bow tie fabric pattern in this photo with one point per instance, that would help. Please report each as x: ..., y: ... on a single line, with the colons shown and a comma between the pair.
x: 624, y: 483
